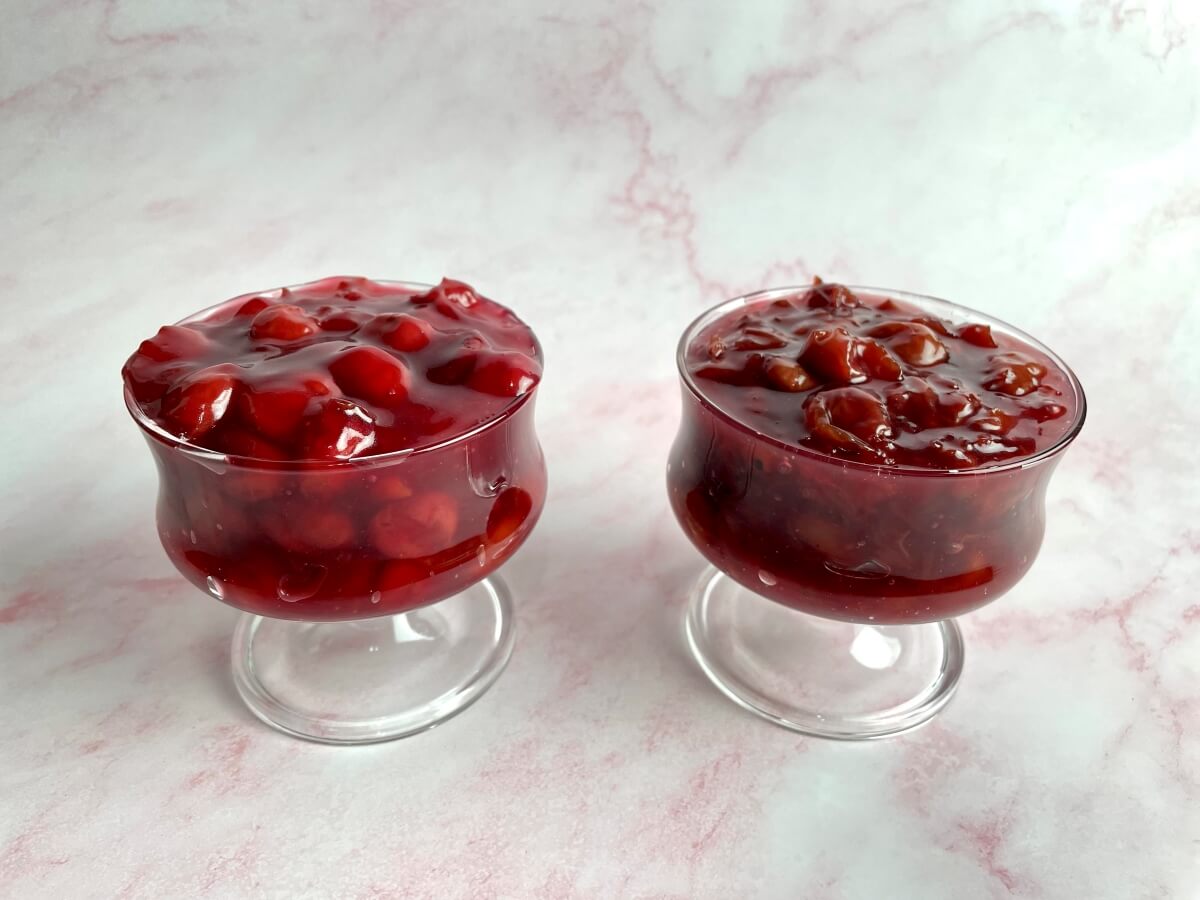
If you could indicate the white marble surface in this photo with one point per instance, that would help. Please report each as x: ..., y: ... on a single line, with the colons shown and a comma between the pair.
x: 609, y: 169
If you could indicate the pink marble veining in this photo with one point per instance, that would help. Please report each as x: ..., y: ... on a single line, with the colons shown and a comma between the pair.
x: 609, y: 169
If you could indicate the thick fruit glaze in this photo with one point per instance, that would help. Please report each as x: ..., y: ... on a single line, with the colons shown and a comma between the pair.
x: 335, y: 369
x: 875, y: 380
x: 276, y: 420
x: 858, y: 457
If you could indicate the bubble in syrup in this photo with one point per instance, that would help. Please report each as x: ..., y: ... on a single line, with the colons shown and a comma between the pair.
x: 767, y: 578
x: 376, y: 596
x: 215, y: 588
x: 302, y: 584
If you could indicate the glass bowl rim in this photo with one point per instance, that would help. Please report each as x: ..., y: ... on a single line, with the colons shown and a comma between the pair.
x: 153, y: 430
x: 923, y: 301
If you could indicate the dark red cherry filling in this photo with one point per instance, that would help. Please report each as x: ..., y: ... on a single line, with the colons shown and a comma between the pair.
x: 872, y: 379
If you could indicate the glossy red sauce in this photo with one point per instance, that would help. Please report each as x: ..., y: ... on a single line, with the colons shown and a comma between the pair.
x: 339, y: 368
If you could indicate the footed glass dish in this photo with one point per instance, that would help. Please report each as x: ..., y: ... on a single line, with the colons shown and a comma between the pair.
x: 372, y: 607
x: 859, y: 466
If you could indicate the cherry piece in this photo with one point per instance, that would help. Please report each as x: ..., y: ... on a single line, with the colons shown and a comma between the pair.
x: 503, y: 375
x: 1044, y: 412
x: 339, y: 429
x: 418, y: 526
x: 174, y: 342
x: 371, y: 374
x: 448, y: 298
x: 1014, y: 374
x: 282, y: 323
x: 823, y: 296
x: 406, y: 333
x: 322, y: 529
x: 915, y: 403
x: 920, y: 346
x: 199, y: 401
x: 831, y: 436
x: 452, y: 297
x: 161, y: 361
x: 300, y: 528
x: 860, y: 412
x: 956, y: 406
x: 879, y: 362
x: 276, y: 410
x: 933, y: 323
x: 995, y: 421
x: 979, y: 335
x: 149, y: 380
x: 833, y: 355
x: 785, y: 375
x: 914, y: 342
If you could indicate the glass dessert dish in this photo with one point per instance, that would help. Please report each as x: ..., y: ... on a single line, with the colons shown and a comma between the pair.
x: 349, y: 462
x: 860, y: 466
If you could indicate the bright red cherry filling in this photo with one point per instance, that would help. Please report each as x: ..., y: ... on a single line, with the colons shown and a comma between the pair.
x: 302, y: 388
x: 788, y: 389
x: 272, y: 363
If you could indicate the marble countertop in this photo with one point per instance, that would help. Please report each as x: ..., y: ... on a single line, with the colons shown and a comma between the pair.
x: 609, y: 169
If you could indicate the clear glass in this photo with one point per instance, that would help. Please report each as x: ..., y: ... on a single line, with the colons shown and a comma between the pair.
x: 340, y: 642
x: 836, y: 618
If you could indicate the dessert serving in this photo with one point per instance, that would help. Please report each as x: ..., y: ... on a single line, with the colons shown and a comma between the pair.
x: 864, y: 456
x: 345, y: 450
